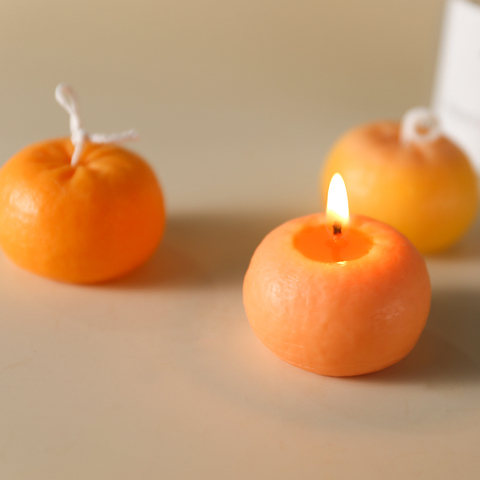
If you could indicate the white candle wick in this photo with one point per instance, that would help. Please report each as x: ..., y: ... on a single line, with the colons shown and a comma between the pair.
x: 65, y: 96
x: 419, y: 125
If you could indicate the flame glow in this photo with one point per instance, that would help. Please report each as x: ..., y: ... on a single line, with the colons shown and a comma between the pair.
x: 337, y: 205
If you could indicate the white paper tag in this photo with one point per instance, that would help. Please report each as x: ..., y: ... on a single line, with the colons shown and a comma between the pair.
x: 457, y: 86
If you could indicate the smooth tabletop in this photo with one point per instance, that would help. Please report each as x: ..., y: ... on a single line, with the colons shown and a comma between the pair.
x: 158, y: 375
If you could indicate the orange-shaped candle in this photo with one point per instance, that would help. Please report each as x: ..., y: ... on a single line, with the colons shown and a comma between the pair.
x: 79, y: 210
x: 409, y: 175
x: 337, y: 298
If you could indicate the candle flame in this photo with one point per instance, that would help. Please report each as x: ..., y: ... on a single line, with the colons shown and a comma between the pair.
x: 337, y: 218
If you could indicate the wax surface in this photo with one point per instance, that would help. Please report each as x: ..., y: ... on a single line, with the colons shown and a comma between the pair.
x: 317, y: 243
x: 426, y: 191
x: 82, y: 224
x: 337, y: 318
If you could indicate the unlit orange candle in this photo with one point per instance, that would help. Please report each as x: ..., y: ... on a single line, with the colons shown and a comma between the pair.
x: 339, y: 304
x: 420, y: 183
x: 79, y: 210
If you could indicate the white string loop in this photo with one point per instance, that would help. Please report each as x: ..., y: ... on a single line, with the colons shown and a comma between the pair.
x: 113, y: 137
x: 65, y: 96
x: 419, y: 125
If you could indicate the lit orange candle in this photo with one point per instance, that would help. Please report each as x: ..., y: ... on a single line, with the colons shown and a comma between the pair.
x: 79, y: 210
x: 337, y: 296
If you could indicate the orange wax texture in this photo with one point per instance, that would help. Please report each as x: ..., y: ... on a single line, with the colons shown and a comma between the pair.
x: 83, y: 224
x: 428, y: 191
x: 351, y: 316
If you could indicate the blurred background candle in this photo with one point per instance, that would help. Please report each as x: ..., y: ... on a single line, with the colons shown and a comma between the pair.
x: 409, y: 175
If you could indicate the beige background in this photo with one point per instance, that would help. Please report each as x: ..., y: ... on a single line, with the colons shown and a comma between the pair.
x: 237, y: 102
x: 158, y: 375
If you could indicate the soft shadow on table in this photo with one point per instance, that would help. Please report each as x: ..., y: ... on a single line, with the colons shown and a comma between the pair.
x: 435, y: 388
x: 201, y: 249
x: 448, y: 351
x: 467, y: 248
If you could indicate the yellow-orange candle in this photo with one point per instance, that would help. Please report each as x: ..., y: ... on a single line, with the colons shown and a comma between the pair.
x: 409, y: 175
x: 339, y: 301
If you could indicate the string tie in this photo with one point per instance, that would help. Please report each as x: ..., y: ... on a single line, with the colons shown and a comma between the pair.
x: 419, y: 125
x: 65, y: 96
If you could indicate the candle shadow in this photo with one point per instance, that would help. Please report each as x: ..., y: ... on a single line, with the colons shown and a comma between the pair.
x: 435, y: 388
x: 201, y: 249
x: 169, y: 267
x: 448, y: 351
